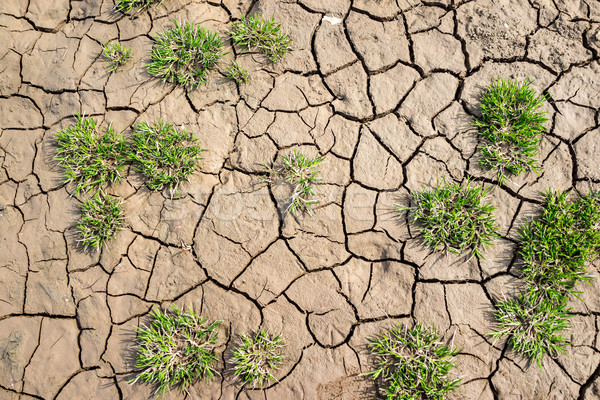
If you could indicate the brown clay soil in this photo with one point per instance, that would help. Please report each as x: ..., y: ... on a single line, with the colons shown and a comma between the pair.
x: 386, y: 90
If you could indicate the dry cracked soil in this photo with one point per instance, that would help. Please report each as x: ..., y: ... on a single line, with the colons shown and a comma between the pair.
x: 386, y: 91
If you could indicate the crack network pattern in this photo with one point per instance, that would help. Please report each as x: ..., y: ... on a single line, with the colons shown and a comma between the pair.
x: 386, y: 90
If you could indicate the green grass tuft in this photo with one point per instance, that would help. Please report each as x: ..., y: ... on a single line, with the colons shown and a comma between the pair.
x: 454, y: 217
x: 533, y: 325
x: 185, y: 53
x: 116, y: 54
x: 556, y: 247
x: 101, y: 219
x: 257, y: 33
x: 511, y: 125
x: 237, y: 73
x: 299, y: 170
x: 90, y: 159
x: 413, y: 364
x: 126, y: 6
x: 176, y: 349
x: 164, y: 155
x: 257, y: 357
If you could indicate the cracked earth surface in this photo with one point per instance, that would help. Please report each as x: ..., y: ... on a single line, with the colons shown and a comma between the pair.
x: 386, y: 90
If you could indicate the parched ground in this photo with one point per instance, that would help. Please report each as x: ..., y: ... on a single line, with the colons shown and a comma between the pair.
x: 386, y: 91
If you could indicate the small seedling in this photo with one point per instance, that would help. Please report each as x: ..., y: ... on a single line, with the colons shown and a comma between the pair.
x: 257, y: 357
x: 116, y: 54
x: 237, y: 73
x: 184, y: 247
x: 101, y: 219
x: 257, y: 33
x: 126, y: 6
x: 176, y: 349
x: 90, y: 159
x: 413, y: 363
x: 454, y: 217
x: 533, y: 325
x: 511, y: 125
x: 164, y: 155
x: 185, y: 53
x: 556, y: 247
x: 297, y: 169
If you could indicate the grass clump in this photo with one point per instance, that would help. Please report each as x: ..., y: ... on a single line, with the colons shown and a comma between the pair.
x: 116, y: 54
x: 413, y: 364
x: 126, y: 6
x: 237, y: 73
x: 90, y: 159
x: 511, y: 125
x: 101, y: 219
x: 176, y: 349
x: 556, y: 247
x: 165, y: 155
x: 454, y: 217
x: 554, y: 250
x: 299, y: 170
x: 185, y: 53
x: 533, y: 325
x: 265, y: 35
x: 257, y: 357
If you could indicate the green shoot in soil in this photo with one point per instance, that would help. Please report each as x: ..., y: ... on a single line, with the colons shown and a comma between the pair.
x: 176, y: 349
x: 237, y: 73
x: 413, y: 364
x: 554, y: 249
x: 116, y: 54
x: 185, y: 53
x: 164, y: 155
x: 533, y: 325
x: 299, y: 170
x: 511, y: 125
x: 90, y: 159
x: 454, y: 217
x: 125, y: 6
x: 101, y: 219
x: 557, y: 246
x: 257, y: 357
x: 257, y: 33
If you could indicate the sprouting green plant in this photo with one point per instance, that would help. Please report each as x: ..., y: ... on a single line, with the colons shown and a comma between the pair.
x: 90, y: 159
x: 556, y: 247
x: 237, y: 73
x: 185, y: 53
x: 454, y: 217
x: 299, y: 170
x: 165, y: 155
x: 257, y: 33
x: 116, y: 54
x: 257, y: 357
x: 101, y: 219
x: 126, y: 6
x: 511, y: 125
x: 533, y: 325
x: 413, y: 364
x: 176, y: 349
